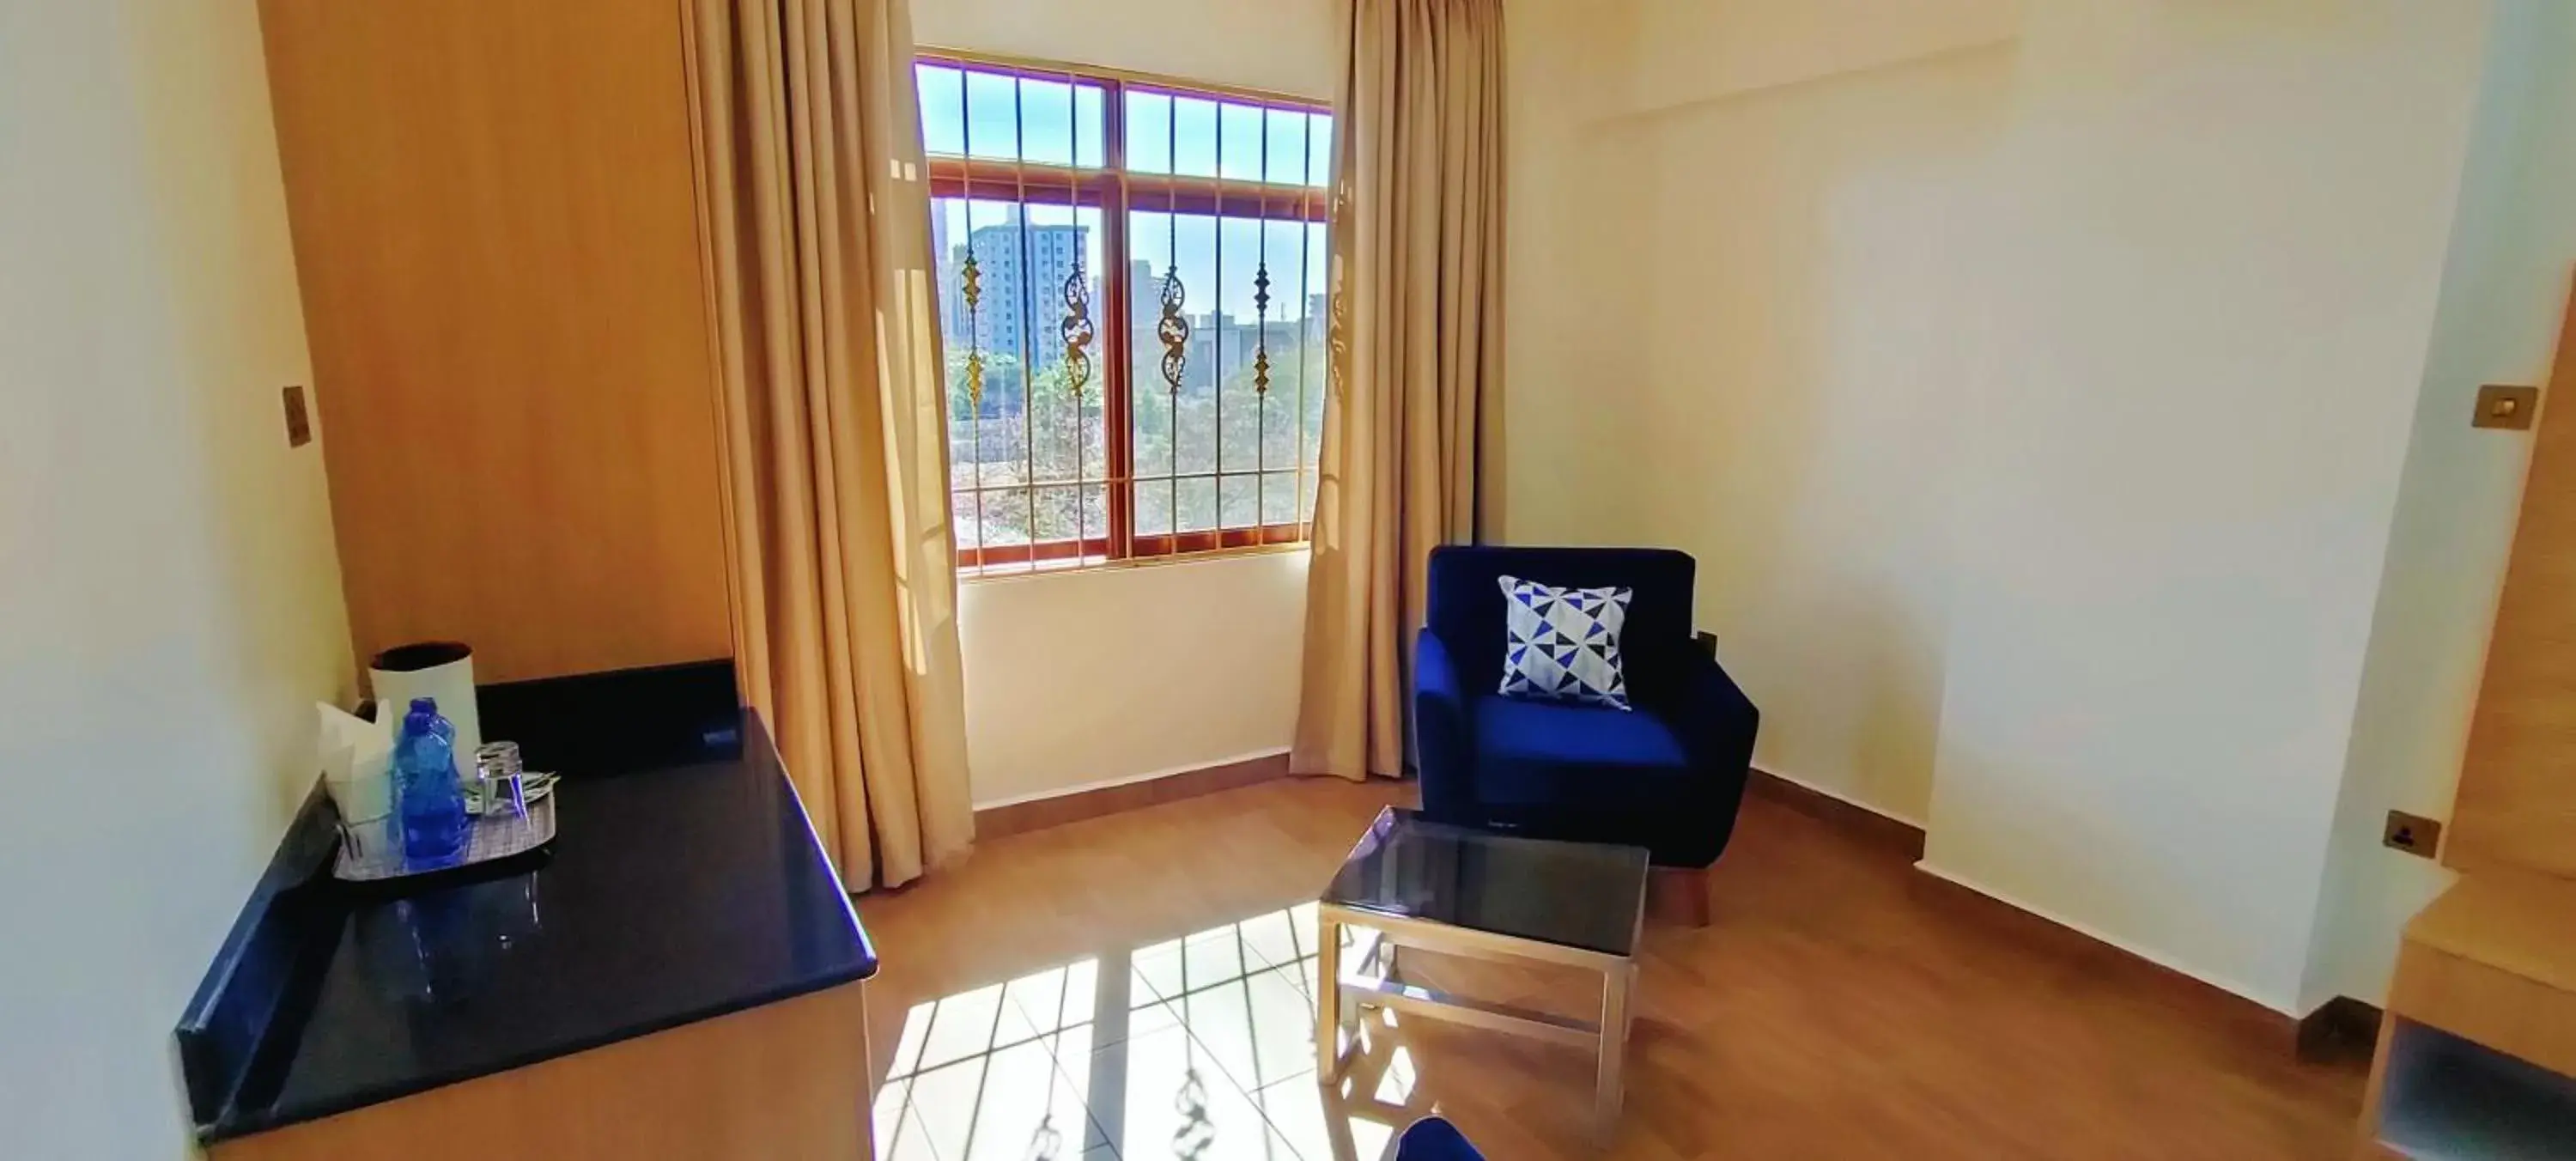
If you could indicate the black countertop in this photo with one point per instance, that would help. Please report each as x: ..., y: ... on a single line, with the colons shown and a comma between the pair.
x: 676, y: 892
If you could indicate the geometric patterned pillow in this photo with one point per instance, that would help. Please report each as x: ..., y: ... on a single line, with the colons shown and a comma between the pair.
x: 1562, y: 645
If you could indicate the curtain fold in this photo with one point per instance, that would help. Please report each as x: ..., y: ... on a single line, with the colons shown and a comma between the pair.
x: 816, y: 233
x: 1413, y: 424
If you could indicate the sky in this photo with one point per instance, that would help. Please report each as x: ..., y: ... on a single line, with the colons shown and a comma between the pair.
x: 974, y: 114
x: 979, y: 114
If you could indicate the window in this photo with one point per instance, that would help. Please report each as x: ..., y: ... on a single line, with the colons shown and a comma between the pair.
x: 1131, y: 294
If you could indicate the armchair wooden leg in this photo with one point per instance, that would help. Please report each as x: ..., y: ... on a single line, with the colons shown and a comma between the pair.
x: 1677, y: 896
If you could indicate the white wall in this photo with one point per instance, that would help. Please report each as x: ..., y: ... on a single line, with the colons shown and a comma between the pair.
x: 2034, y: 387
x: 2513, y: 245
x: 1575, y: 220
x: 1698, y: 50
x: 1080, y: 679
x: 1805, y: 356
x: 169, y: 602
x: 2225, y: 231
x: 1738, y: 243
x: 1089, y: 678
x: 1736, y: 328
x: 1286, y: 46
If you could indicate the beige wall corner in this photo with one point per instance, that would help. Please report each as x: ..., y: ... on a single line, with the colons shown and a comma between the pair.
x: 169, y: 602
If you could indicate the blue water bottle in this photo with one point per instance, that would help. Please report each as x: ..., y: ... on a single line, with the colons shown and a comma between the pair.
x: 428, y: 796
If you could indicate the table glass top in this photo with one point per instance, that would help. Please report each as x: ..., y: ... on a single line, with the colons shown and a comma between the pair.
x: 1580, y: 895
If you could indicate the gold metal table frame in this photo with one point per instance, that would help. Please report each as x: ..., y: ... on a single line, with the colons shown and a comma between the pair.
x: 1374, y: 980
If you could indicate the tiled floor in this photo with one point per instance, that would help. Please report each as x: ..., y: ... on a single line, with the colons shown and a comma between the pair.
x: 1198, y: 1046
x: 1138, y: 986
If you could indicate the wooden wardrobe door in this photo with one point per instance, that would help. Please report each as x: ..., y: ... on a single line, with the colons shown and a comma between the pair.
x: 495, y: 225
x: 2517, y: 800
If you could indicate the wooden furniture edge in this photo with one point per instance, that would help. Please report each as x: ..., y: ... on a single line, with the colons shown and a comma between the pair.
x: 2517, y: 922
x: 2485, y: 1004
x: 788, y: 1079
x: 2514, y: 810
x: 2493, y: 962
x: 1677, y: 896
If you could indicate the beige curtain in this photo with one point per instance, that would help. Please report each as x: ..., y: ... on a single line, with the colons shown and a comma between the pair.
x: 836, y: 477
x: 1414, y: 422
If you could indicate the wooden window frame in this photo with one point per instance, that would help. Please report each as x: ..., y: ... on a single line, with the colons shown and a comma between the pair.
x: 1112, y: 189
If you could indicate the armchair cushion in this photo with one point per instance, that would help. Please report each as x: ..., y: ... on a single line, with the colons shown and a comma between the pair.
x: 1539, y: 754
x: 1467, y: 607
x: 1562, y: 644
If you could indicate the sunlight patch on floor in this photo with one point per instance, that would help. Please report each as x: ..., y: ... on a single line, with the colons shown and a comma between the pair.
x: 1198, y: 1048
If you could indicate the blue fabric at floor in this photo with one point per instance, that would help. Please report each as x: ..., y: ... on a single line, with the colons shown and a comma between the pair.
x: 1433, y: 1139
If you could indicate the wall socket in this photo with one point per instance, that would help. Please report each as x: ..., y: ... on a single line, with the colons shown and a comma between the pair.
x: 2412, y: 833
x: 2507, y: 407
x: 299, y: 420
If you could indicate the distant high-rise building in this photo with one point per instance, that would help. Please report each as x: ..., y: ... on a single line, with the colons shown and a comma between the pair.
x: 1222, y: 344
x: 1144, y: 293
x: 1023, y: 272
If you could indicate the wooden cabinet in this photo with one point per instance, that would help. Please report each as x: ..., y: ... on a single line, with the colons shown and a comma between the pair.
x: 2516, y: 807
x: 788, y: 1081
x: 496, y: 233
x: 2477, y: 1053
x: 2477, y: 1050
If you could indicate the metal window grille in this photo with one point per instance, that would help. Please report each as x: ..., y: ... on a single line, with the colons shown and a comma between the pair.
x: 1132, y: 299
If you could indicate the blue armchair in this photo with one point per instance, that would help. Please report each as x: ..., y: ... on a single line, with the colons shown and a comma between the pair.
x: 1667, y: 775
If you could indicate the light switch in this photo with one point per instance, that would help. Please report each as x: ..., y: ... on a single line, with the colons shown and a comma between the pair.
x: 2505, y: 407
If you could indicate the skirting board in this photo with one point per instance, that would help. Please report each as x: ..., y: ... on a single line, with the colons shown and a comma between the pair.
x: 1912, y: 824
x: 1020, y: 816
x: 2231, y: 987
x: 1896, y: 833
x: 1129, y: 779
x: 2341, y: 1029
x: 2318, y: 1034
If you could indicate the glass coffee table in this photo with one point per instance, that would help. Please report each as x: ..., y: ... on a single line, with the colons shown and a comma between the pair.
x: 1468, y: 892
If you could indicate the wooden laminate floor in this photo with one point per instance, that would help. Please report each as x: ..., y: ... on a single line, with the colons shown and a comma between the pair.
x: 1136, y: 986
